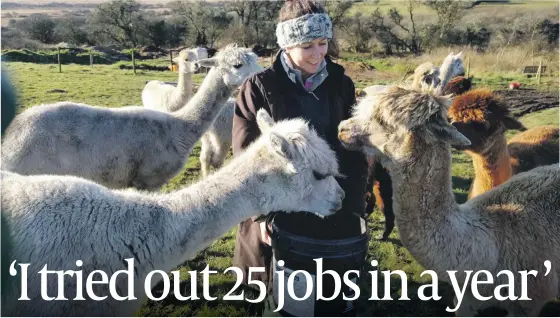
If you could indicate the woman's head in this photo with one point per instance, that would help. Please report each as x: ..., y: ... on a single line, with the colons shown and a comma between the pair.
x: 304, y: 31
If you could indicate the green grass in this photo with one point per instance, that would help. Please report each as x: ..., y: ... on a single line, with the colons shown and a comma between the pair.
x: 109, y: 86
x: 103, y: 85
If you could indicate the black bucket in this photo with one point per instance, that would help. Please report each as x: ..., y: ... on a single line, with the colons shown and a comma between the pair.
x: 298, y: 253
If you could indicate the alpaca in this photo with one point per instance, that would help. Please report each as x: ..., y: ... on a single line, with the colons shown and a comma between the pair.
x: 123, y: 147
x: 425, y: 72
x: 429, y: 74
x: 160, y: 96
x: 216, y: 142
x: 57, y: 220
x: 515, y: 226
x: 484, y: 118
x: 538, y: 146
x: 458, y: 85
x: 379, y: 178
x: 380, y: 192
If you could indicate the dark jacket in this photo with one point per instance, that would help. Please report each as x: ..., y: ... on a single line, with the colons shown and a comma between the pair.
x: 329, y: 104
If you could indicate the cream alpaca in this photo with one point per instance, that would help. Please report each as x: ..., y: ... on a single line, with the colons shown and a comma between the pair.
x: 122, y: 147
x: 515, y: 226
x: 160, y: 96
x: 57, y: 220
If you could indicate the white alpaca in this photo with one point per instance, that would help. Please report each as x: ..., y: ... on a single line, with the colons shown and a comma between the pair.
x: 216, y: 142
x: 160, y: 96
x: 428, y: 74
x: 515, y: 226
x: 122, y: 147
x: 57, y: 220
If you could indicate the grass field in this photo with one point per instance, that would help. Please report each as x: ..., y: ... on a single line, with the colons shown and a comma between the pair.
x: 110, y: 86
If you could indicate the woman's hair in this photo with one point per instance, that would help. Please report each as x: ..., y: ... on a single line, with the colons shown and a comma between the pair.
x: 296, y: 8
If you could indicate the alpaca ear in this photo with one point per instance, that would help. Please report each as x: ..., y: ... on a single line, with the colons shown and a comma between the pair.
x: 449, y: 134
x: 264, y: 121
x: 459, y: 54
x: 281, y: 146
x: 512, y: 123
x: 208, y: 63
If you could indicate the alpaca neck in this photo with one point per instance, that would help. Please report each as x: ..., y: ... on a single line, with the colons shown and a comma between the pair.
x: 424, y: 201
x: 203, y: 212
x: 447, y: 72
x: 202, y: 109
x: 184, y: 88
x: 491, y: 169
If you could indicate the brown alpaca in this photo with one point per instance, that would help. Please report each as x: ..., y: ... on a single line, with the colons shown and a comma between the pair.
x: 535, y: 147
x: 380, y: 192
x: 484, y: 118
x: 458, y: 85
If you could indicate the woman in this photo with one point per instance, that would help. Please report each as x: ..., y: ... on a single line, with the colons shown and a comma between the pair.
x: 303, y: 82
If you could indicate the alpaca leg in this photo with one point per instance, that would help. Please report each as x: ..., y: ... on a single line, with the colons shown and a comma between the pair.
x: 220, y: 154
x: 205, y: 155
x: 384, y: 198
x: 370, y: 198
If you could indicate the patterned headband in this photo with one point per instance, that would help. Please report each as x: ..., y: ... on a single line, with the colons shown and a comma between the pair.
x: 303, y: 29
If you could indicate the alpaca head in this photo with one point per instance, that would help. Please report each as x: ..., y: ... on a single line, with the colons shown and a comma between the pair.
x: 186, y: 61
x: 396, y: 124
x: 458, y: 85
x: 483, y: 117
x: 234, y: 64
x: 426, y: 73
x: 299, y: 167
x: 455, y: 63
x: 451, y: 67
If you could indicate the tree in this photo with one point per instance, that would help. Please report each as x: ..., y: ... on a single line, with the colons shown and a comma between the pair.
x: 403, y: 36
x: 206, y: 20
x: 337, y: 11
x: 38, y: 27
x: 156, y: 32
x: 357, y: 31
x: 255, y: 21
x: 120, y: 20
x: 448, y: 12
x: 69, y: 29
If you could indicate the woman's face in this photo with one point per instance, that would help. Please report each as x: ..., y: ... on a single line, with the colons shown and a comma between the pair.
x: 307, y: 57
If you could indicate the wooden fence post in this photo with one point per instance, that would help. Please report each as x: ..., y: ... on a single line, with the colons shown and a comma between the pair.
x: 90, y: 59
x: 133, y: 63
x: 539, y: 71
x: 59, y: 65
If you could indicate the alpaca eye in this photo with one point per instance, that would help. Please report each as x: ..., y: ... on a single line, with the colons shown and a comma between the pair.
x: 319, y: 176
x: 238, y: 65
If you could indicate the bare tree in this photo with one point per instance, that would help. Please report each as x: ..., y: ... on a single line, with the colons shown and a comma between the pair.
x: 206, y: 20
x: 448, y: 13
x: 357, y: 31
x: 255, y: 20
x: 120, y: 20
x: 397, y: 34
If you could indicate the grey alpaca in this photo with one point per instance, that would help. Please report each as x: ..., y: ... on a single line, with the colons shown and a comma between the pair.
x: 57, y: 220
x: 122, y: 147
x: 515, y: 226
